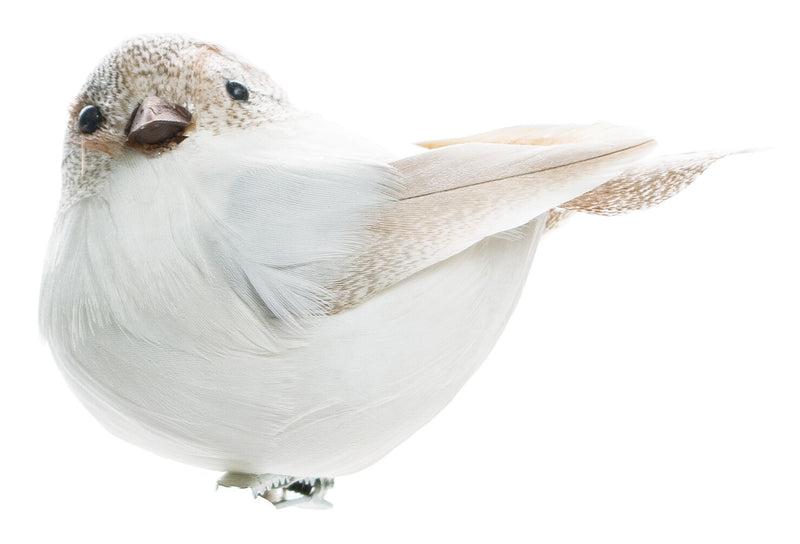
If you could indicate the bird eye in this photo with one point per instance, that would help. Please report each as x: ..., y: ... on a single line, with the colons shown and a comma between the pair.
x: 89, y: 119
x: 237, y: 91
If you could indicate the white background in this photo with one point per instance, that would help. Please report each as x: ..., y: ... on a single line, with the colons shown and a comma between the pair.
x: 646, y: 389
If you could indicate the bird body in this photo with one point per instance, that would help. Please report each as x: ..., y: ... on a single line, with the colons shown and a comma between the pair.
x: 245, y: 287
x: 171, y: 358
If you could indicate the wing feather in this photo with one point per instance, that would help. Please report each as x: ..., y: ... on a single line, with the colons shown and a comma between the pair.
x: 456, y: 196
x: 647, y: 184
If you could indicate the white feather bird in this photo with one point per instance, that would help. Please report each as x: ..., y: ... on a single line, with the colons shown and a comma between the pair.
x: 241, y: 286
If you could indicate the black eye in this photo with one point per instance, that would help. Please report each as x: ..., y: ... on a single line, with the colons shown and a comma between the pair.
x: 237, y: 90
x: 89, y: 119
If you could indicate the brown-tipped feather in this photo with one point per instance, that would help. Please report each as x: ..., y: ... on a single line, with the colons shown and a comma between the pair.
x: 645, y: 185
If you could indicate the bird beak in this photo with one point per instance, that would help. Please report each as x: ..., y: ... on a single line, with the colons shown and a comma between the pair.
x: 156, y: 122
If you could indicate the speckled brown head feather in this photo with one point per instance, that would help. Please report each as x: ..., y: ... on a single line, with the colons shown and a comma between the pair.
x: 189, y: 73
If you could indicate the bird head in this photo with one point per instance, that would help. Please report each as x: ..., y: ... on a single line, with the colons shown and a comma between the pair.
x: 151, y: 94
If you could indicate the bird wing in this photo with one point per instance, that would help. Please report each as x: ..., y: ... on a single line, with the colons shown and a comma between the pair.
x: 467, y: 189
x: 317, y: 222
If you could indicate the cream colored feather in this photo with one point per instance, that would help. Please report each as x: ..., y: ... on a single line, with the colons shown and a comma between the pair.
x: 453, y: 197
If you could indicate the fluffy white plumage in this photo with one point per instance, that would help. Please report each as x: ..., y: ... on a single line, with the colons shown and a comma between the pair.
x: 184, y: 334
x: 283, y: 297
